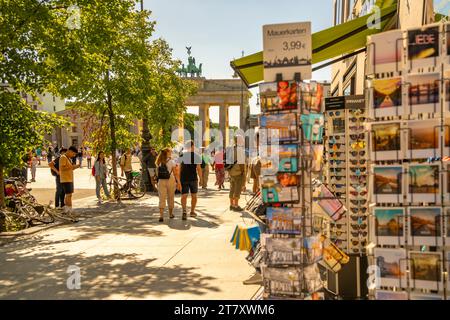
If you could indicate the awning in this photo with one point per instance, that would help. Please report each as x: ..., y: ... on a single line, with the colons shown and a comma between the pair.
x: 326, y: 44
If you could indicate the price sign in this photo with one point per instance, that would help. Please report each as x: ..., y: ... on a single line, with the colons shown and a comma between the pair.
x: 287, y: 50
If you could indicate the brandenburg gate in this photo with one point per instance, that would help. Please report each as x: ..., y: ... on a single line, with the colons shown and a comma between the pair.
x: 223, y: 93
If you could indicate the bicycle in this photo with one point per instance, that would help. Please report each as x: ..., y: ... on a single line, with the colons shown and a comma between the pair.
x: 31, y: 211
x: 135, y: 191
x: 11, y: 221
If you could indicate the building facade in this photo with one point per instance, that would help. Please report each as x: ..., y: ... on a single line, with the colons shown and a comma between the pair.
x: 348, y: 75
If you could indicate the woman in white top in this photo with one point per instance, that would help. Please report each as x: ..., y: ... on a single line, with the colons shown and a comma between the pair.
x: 168, y: 179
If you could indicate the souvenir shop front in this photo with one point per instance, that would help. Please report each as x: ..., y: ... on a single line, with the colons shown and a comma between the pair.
x: 355, y: 190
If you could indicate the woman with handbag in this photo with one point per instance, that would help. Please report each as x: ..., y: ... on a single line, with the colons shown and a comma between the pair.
x: 168, y: 180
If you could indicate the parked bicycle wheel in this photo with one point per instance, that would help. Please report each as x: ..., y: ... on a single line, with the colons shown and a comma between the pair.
x: 12, y: 221
x: 137, y: 187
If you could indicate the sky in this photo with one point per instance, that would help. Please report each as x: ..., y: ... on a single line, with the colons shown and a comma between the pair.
x: 219, y: 30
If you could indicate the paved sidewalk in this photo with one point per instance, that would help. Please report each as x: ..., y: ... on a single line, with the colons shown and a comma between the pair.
x: 128, y: 254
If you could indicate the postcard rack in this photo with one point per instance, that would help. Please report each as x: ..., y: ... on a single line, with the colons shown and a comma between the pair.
x: 408, y: 102
x: 299, y: 206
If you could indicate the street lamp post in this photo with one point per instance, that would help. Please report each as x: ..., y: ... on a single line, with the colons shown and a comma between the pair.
x: 145, y: 147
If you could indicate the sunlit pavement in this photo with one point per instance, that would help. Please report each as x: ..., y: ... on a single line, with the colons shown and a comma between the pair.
x: 128, y: 254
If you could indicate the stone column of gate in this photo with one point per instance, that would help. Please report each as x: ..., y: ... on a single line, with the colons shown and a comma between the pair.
x: 203, y: 112
x: 223, y: 125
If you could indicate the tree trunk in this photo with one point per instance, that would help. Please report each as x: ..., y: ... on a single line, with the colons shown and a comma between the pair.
x: 2, y: 188
x: 112, y: 127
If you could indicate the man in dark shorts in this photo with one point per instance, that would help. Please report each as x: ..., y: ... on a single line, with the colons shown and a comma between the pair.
x: 66, y: 168
x: 190, y: 174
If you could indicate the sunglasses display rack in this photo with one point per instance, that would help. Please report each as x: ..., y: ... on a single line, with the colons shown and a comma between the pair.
x: 408, y: 97
x: 346, y: 162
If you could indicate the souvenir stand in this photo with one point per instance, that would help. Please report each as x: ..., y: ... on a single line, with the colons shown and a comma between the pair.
x: 408, y: 73
x: 346, y: 167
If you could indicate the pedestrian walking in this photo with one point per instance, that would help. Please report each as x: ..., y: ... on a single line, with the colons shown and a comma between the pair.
x: 100, y: 172
x: 168, y: 181
x: 89, y: 158
x: 39, y: 154
x: 54, y: 167
x: 33, y: 165
x: 235, y: 160
x: 50, y: 154
x: 219, y: 169
x: 126, y: 167
x: 150, y: 161
x: 255, y: 172
x: 190, y: 174
x: 66, y: 169
x: 206, y: 162
x: 80, y: 157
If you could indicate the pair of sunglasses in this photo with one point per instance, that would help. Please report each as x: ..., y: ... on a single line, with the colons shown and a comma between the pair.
x: 356, y: 193
x: 356, y: 162
x: 335, y: 114
x: 356, y: 112
x: 357, y: 242
x: 358, y: 145
x: 358, y: 178
x: 337, y: 178
x: 355, y: 119
x: 355, y: 153
x: 338, y: 186
x: 336, y: 154
x: 335, y: 145
x: 359, y: 233
x: 360, y: 169
x: 356, y: 128
x: 339, y: 194
x: 356, y: 210
x: 338, y: 233
x: 340, y: 242
x: 358, y: 218
x: 336, y: 161
x: 357, y: 136
x: 337, y: 226
x: 359, y: 226
x: 358, y: 202
x: 357, y: 250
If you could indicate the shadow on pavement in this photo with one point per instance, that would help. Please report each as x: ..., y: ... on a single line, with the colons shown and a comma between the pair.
x: 116, y: 276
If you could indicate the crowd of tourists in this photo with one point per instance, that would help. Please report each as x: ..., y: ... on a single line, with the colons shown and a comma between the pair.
x: 170, y: 171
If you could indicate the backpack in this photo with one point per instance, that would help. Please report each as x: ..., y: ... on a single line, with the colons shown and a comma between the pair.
x: 56, y: 163
x: 93, y: 170
x: 163, y: 173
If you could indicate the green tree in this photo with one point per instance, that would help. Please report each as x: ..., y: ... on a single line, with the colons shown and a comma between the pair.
x: 21, y: 129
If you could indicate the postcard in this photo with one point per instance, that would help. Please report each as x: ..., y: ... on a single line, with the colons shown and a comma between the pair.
x: 392, y: 264
x: 423, y: 139
x: 282, y: 281
x: 391, y: 295
x: 282, y: 126
x: 385, y: 52
x: 425, y: 227
x: 284, y: 220
x: 422, y: 296
x: 448, y: 265
x: 425, y: 270
x: 386, y: 97
x: 317, y: 162
x: 312, y: 96
x: 423, y: 47
x: 314, y: 248
x: 312, y: 278
x: 279, y: 158
x: 389, y: 226
x: 446, y: 147
x: 282, y: 250
x: 447, y: 225
x: 423, y: 183
x: 331, y: 205
x: 312, y: 127
x: 387, y: 184
x: 386, y: 141
x: 423, y: 93
x: 277, y: 96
